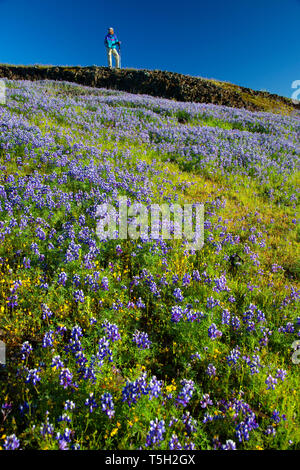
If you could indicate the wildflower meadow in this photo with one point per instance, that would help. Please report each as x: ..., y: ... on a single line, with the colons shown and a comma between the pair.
x: 144, y: 344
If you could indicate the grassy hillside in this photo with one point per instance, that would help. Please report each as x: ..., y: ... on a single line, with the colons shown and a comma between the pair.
x: 129, y: 344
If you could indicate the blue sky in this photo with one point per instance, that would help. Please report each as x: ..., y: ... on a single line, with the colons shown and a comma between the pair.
x: 253, y: 43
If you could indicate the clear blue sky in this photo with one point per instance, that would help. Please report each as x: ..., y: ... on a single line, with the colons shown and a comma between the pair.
x: 254, y: 43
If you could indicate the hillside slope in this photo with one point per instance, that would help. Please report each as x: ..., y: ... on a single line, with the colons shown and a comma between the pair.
x: 157, y: 83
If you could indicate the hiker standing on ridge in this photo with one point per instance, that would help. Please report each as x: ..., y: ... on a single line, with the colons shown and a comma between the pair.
x: 111, y: 42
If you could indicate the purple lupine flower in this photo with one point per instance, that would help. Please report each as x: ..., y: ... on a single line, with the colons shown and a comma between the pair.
x: 57, y: 362
x: 178, y: 294
x: 196, y: 275
x: 235, y: 322
x: 11, y: 442
x: 206, y: 401
x: 207, y: 418
x: 26, y: 263
x: 65, y: 378
x: 35, y: 248
x: 155, y: 387
x: 47, y: 427
x: 155, y: 435
x: 69, y: 405
x: 253, y: 363
x: 78, y: 296
x: 211, y: 370
x: 111, y: 331
x: 12, y: 300
x: 260, y: 316
x: 211, y: 302
x: 81, y: 220
x: 270, y: 431
x: 176, y: 313
x: 225, y: 317
x: 40, y: 233
x: 192, y: 316
x: 76, y: 332
x: 33, y: 376
x: 76, y: 280
x: 26, y: 349
x: 64, y: 439
x: 48, y: 339
x: 243, y: 428
x: 73, y: 346
x: 119, y: 249
x: 6, y: 408
x: 196, y: 356
x: 220, y: 284
x: 185, y: 393
x: 276, y: 417
x: 172, y: 421
x: 189, y: 445
x: 229, y: 445
x: 104, y: 284
x: 174, y: 443
x: 24, y: 408
x: 62, y: 278
x: 186, y: 280
x: 104, y: 350
x: 189, y: 422
x: 213, y: 332
x: 133, y: 390
x: 154, y: 289
x: 107, y: 404
x: 91, y: 402
x: 281, y: 374
x: 270, y: 382
x: 46, y: 311
x: 64, y: 418
x: 140, y: 303
x: 60, y: 330
x: 233, y: 356
x: 141, y: 339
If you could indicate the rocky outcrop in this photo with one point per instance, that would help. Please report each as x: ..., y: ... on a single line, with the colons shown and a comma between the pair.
x: 156, y: 83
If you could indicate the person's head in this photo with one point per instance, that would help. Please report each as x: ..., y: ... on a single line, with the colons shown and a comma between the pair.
x: 111, y: 30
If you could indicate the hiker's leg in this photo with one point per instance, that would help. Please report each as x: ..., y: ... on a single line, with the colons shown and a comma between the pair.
x: 109, y: 57
x: 117, y: 58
